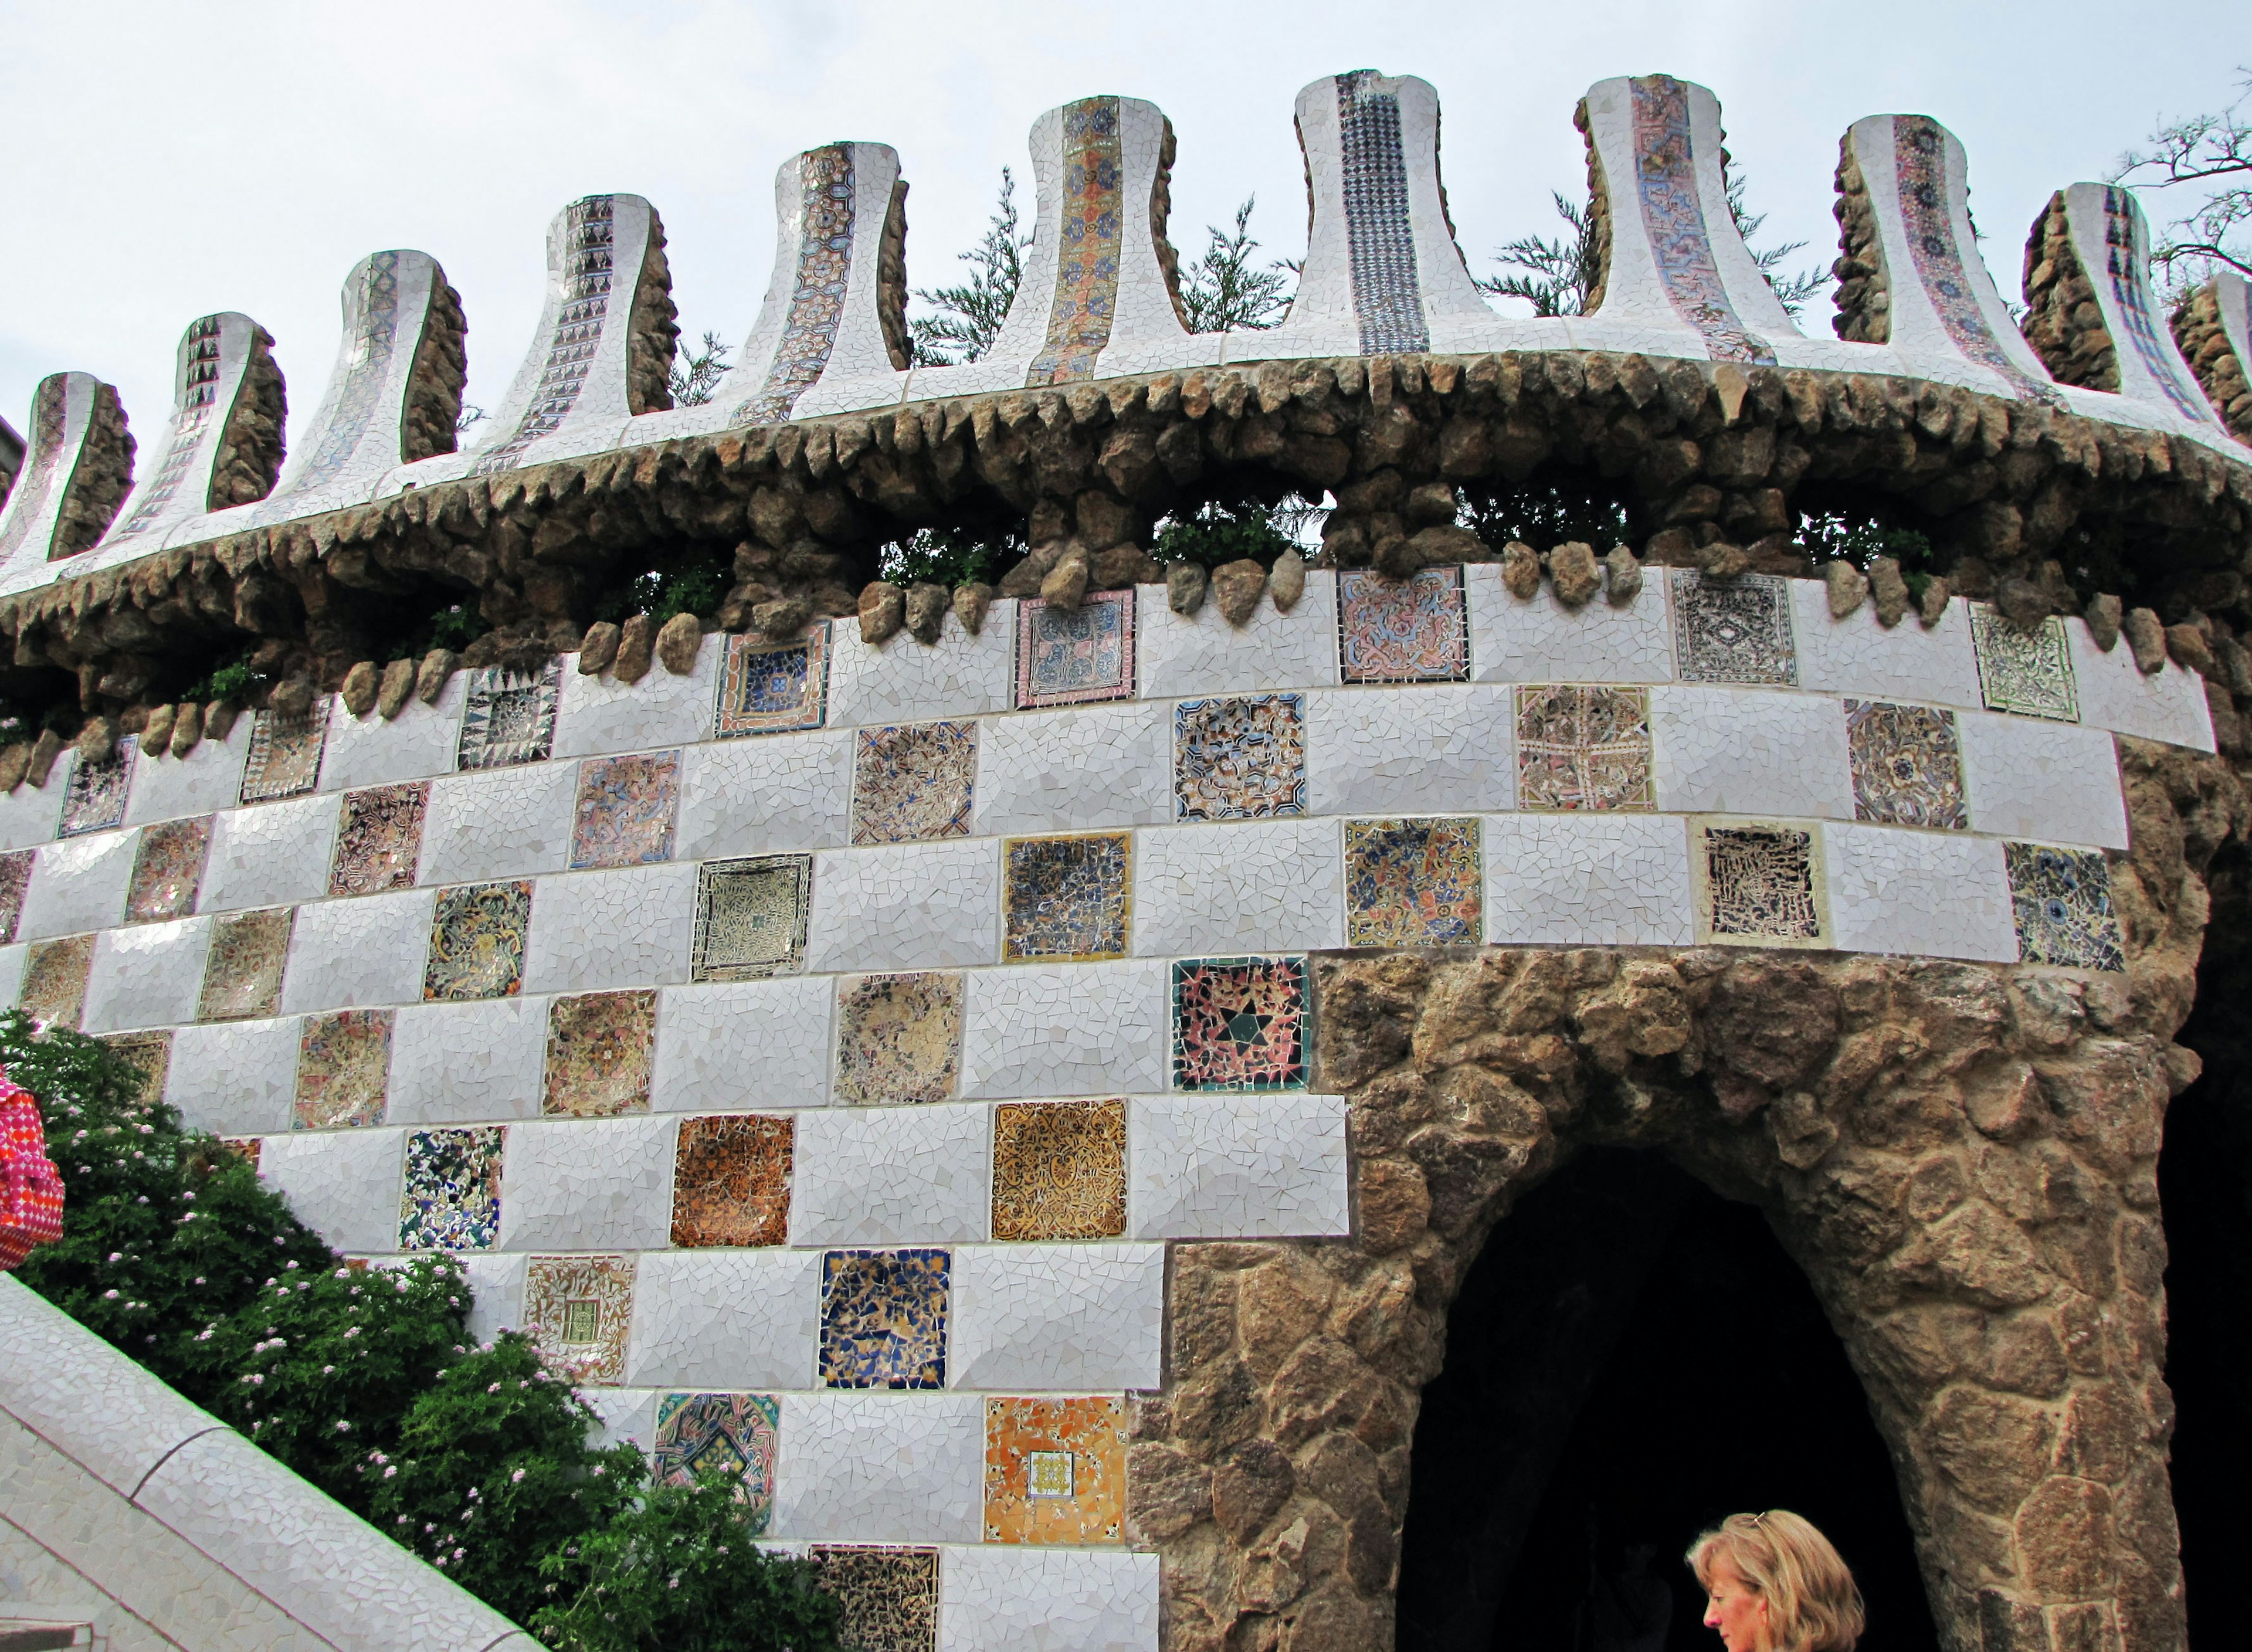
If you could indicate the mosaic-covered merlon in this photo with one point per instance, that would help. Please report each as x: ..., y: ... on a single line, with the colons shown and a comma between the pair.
x: 2214, y: 331
x: 1915, y: 280
x: 76, y: 469
x: 1673, y: 259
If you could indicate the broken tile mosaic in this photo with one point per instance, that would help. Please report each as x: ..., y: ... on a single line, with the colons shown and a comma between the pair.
x: 508, y: 717
x: 343, y: 1069
x: 1055, y: 1470
x: 1759, y: 883
x: 379, y: 839
x: 750, y: 917
x: 95, y: 797
x: 736, y: 1435
x: 1239, y: 1024
x: 1733, y: 630
x: 913, y: 781
x: 2029, y: 672
x: 1065, y: 898
x: 731, y: 1180
x: 625, y: 810
x: 150, y: 1055
x: 168, y: 869
x: 15, y: 878
x: 1240, y: 759
x: 1059, y: 1170
x: 2061, y: 901
x: 1068, y: 656
x: 1583, y: 745
x: 599, y: 1046
x: 577, y: 1309
x: 242, y: 970
x: 55, y: 973
x: 899, y: 1039
x: 1908, y: 765
x: 285, y: 754
x: 886, y: 1598
x: 451, y: 1198
x: 476, y: 941
x: 884, y: 1319
x: 767, y: 688
x: 1411, y: 883
x: 1411, y: 630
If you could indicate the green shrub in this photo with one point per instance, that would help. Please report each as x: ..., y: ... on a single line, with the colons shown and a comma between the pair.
x: 1545, y: 515
x: 233, y: 679
x: 947, y: 556
x: 696, y: 582
x: 1217, y: 532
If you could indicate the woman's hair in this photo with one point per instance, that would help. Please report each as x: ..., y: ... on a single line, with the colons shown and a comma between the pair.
x: 1812, y: 1605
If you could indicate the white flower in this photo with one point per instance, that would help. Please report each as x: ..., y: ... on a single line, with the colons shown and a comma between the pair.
x: 518, y: 1475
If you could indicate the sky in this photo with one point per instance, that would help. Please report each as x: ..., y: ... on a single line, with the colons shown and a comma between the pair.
x: 175, y: 159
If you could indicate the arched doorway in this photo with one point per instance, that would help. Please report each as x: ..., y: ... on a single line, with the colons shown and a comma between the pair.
x: 1630, y: 1357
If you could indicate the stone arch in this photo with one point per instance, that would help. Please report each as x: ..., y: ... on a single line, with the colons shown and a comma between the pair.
x: 1961, y: 1157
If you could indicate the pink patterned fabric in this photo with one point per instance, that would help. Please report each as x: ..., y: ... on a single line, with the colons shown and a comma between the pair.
x: 31, y: 1187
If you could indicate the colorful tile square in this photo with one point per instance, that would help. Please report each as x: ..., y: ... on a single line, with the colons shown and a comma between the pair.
x: 379, y: 839
x: 2061, y: 901
x: 168, y: 869
x: 242, y: 970
x: 577, y: 1310
x: 451, y: 1199
x: 884, y: 1319
x: 477, y: 933
x: 1066, y: 897
x: 2028, y: 672
x: 769, y: 688
x: 1240, y: 759
x: 750, y: 917
x: 912, y: 781
x: 1059, y: 1170
x: 1733, y: 630
x: 1411, y: 883
x: 1583, y: 745
x: 899, y: 1039
x: 731, y: 1180
x: 15, y: 878
x: 886, y: 1597
x: 1411, y: 630
x: 1760, y: 884
x: 508, y: 717
x: 95, y: 797
x: 150, y: 1055
x: 1055, y: 1470
x: 1069, y: 656
x: 1239, y: 1024
x: 285, y: 754
x: 625, y: 810
x: 599, y: 1047
x: 736, y: 1436
x: 1907, y: 766
x: 343, y: 1069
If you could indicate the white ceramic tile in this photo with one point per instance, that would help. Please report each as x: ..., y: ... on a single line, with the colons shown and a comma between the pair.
x: 1726, y: 751
x: 600, y: 714
x: 891, y: 1176
x: 909, y: 682
x: 597, y: 930
x: 1541, y: 640
x: 1206, y: 655
x: 1011, y: 1597
x: 269, y: 854
x: 206, y: 779
x: 11, y: 972
x: 2050, y: 782
x: 764, y: 795
x: 877, y: 1468
x: 718, y: 1319
x: 742, y: 1047
x: 343, y: 1183
x: 148, y: 976
x: 419, y: 743
x: 1236, y: 1167
x: 1857, y: 655
x: 2115, y: 694
x: 79, y: 884
x: 499, y: 822
x: 1076, y: 769
x: 355, y: 953
x: 1060, y: 1029
x: 904, y: 906
x: 1588, y: 880
x: 628, y: 1415
x: 1441, y: 749
x: 29, y: 814
x: 467, y: 1063
x: 239, y: 1078
x: 1043, y: 1318
x: 1264, y: 885
x: 1925, y: 894
x: 497, y: 1279
x: 587, y: 1184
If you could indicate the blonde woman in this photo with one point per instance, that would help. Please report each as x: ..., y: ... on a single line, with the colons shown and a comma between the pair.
x: 1775, y: 1585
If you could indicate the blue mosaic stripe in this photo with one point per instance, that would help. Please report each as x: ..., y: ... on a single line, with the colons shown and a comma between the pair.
x: 827, y: 206
x: 2123, y: 260
x: 1387, y: 300
x: 590, y: 230
x: 199, y: 393
x: 1673, y: 218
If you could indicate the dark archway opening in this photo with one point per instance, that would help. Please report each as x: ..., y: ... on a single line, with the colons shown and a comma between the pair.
x: 1631, y: 1358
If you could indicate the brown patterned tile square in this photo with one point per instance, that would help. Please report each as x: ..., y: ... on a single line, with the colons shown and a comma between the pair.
x: 577, y: 1310
x: 731, y: 1180
x: 899, y: 1037
x: 886, y: 1596
x: 1059, y: 1170
x: 379, y: 839
x: 343, y: 1068
x: 599, y: 1047
x: 242, y: 971
x: 477, y: 933
x: 54, y: 980
x: 168, y: 870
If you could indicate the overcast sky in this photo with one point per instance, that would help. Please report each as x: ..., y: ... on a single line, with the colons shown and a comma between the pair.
x: 177, y: 158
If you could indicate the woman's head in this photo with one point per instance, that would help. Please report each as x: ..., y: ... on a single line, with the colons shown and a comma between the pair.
x: 1776, y: 1585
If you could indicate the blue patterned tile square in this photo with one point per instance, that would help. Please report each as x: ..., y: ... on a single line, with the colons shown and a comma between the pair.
x: 452, y: 1196
x: 625, y: 809
x: 1413, y: 883
x: 2060, y: 899
x: 1066, y: 656
x: 769, y: 688
x: 884, y: 1318
x: 1065, y: 899
x: 913, y: 781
